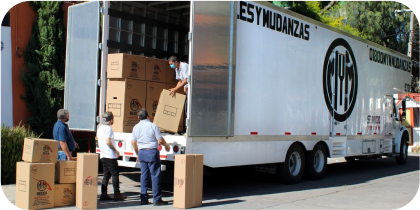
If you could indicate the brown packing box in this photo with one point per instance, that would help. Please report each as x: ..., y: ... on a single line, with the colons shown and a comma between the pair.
x: 181, y: 91
x: 65, y: 172
x: 87, y: 181
x: 34, y: 185
x: 65, y: 194
x: 156, y: 69
x: 171, y: 75
x: 124, y: 98
x: 40, y: 150
x: 169, y: 111
x: 121, y: 65
x: 153, y: 94
x: 188, y: 181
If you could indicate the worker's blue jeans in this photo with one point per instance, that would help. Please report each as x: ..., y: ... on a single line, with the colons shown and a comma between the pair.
x: 150, y: 165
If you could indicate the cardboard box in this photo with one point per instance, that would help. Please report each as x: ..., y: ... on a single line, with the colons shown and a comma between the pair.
x: 171, y: 75
x: 34, y: 185
x: 181, y: 91
x: 65, y: 172
x: 169, y: 111
x: 87, y: 181
x: 153, y: 94
x: 124, y: 98
x: 65, y: 195
x: 156, y: 69
x: 40, y: 150
x: 121, y: 65
x: 188, y: 181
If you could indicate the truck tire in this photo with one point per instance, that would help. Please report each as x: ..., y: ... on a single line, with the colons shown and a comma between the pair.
x: 316, y: 163
x: 402, y: 159
x: 291, y: 171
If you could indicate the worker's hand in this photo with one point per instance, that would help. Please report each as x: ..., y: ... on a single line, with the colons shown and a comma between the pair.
x: 185, y: 90
x: 172, y: 91
x: 167, y: 148
x: 137, y: 160
x: 117, y: 153
x: 69, y: 157
x: 77, y: 146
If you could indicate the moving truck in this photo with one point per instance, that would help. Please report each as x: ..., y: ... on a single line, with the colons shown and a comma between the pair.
x: 268, y: 87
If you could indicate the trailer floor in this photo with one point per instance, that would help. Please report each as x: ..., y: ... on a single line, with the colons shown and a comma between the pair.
x: 364, y: 184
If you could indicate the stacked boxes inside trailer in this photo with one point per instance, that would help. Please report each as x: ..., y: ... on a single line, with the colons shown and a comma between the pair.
x: 136, y: 82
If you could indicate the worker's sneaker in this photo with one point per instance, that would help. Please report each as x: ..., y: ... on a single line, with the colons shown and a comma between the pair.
x: 160, y: 203
x: 144, y: 202
x: 119, y: 197
x: 105, y: 197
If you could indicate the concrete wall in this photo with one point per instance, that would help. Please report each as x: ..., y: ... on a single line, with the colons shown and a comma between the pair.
x: 6, y: 77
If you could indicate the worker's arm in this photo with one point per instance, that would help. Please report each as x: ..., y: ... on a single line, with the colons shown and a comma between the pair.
x: 163, y: 142
x: 111, y: 146
x: 180, y: 84
x: 64, y: 147
x: 136, y: 149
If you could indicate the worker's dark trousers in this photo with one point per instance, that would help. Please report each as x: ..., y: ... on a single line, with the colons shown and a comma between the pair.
x: 110, y: 168
x: 150, y: 165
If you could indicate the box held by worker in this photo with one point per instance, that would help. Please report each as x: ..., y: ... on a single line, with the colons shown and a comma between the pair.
x: 65, y: 172
x: 121, y: 65
x: 153, y: 94
x: 40, y: 150
x: 124, y: 98
x: 169, y: 111
x: 156, y: 69
x: 87, y: 181
x: 34, y: 185
x: 188, y: 181
x: 65, y: 194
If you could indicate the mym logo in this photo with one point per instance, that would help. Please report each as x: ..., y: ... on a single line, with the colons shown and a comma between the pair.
x: 340, y: 79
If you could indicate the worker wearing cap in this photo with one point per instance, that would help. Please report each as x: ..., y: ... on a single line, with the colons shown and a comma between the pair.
x: 146, y: 139
x: 62, y: 134
x: 109, y: 157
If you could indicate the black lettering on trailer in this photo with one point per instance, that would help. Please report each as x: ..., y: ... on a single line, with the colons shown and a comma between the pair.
x: 278, y: 22
x: 301, y: 31
x: 290, y: 26
x: 296, y: 23
x: 285, y: 25
x: 242, y: 10
x: 272, y: 20
x: 250, y: 13
x: 306, y: 32
x: 266, y: 17
x: 258, y: 9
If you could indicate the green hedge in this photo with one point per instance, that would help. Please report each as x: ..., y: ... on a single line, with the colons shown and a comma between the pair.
x: 11, y: 150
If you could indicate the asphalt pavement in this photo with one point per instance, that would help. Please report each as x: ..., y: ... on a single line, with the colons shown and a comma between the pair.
x: 364, y: 184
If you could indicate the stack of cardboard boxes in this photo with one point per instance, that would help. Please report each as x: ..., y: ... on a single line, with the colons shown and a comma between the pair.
x: 43, y: 182
x: 136, y: 82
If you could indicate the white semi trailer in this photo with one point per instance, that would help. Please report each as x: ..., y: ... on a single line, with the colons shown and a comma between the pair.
x: 267, y: 86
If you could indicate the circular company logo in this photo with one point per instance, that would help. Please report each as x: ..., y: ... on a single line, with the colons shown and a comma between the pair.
x: 134, y: 104
x: 41, y: 186
x: 340, y: 79
x: 34, y: 169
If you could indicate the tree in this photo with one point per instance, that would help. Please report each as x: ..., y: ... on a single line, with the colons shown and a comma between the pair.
x: 379, y: 23
x: 44, y: 59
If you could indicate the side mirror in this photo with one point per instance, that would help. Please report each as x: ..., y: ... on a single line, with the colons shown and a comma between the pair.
x: 403, y: 115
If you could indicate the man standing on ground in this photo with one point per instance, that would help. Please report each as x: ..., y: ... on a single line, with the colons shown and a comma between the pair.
x: 62, y: 134
x: 146, y: 138
x: 109, y: 157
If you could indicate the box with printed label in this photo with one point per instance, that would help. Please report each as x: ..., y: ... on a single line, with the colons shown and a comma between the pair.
x: 169, y: 112
x: 156, y: 69
x: 65, y: 194
x: 34, y: 185
x: 65, y: 172
x: 40, y: 150
x: 121, y: 65
x: 153, y: 94
x: 87, y: 181
x: 188, y: 181
x: 124, y: 98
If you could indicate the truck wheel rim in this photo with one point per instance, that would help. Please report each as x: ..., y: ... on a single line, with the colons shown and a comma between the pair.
x: 319, y: 161
x: 295, y: 163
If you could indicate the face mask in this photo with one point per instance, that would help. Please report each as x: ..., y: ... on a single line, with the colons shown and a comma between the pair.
x: 172, y: 66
